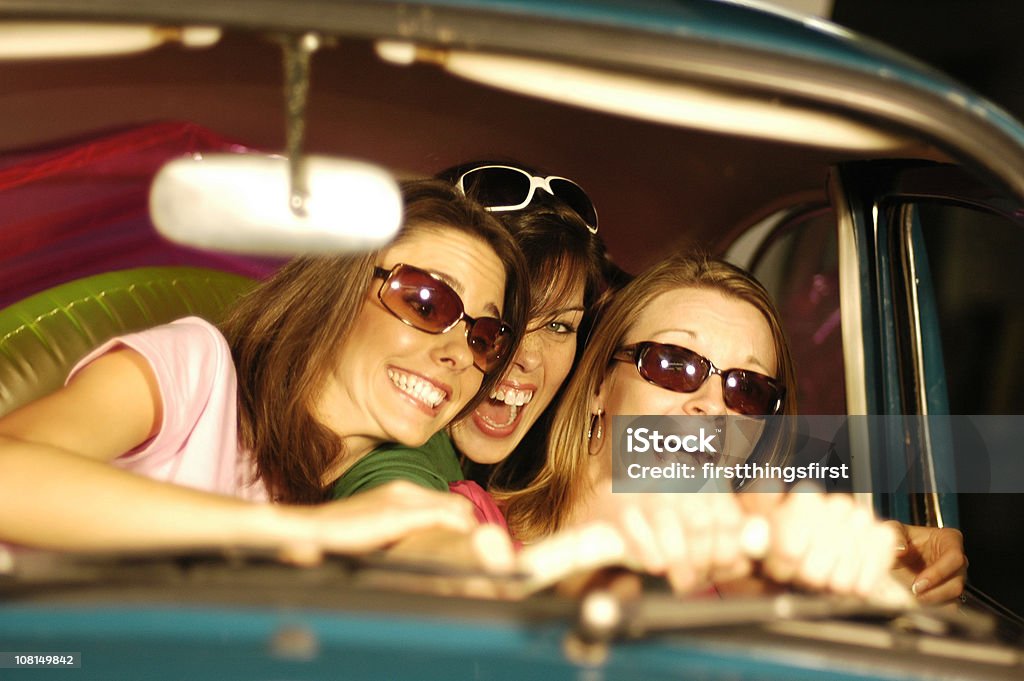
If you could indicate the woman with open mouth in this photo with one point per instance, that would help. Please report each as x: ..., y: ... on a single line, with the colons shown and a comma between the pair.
x: 568, y: 268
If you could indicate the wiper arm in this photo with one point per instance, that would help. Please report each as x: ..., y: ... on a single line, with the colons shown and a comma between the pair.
x: 603, y: 616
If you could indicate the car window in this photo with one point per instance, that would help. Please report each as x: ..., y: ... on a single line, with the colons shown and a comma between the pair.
x: 981, y: 318
x: 975, y: 259
x: 799, y: 266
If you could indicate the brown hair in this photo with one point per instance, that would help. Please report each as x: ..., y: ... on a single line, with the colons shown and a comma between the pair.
x: 286, y: 334
x: 560, y: 253
x: 548, y: 501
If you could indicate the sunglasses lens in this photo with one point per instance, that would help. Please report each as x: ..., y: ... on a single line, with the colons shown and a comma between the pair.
x: 488, y: 340
x: 684, y: 371
x: 673, y: 367
x: 420, y: 300
x: 573, y: 196
x: 750, y: 393
x: 496, y: 187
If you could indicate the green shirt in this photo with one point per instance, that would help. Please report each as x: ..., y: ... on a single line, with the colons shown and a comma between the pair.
x: 433, y: 465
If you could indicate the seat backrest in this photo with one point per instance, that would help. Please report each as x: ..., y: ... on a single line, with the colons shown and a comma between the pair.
x: 43, y: 336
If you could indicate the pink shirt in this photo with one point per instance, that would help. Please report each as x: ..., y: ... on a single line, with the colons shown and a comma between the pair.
x: 197, y: 444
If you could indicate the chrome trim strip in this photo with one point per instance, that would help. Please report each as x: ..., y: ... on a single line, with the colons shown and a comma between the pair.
x: 851, y: 316
x: 933, y: 509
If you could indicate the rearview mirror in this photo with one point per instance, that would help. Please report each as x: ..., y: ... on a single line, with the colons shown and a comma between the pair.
x: 242, y: 203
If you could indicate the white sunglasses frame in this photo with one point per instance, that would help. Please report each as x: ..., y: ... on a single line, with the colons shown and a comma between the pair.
x: 535, y: 183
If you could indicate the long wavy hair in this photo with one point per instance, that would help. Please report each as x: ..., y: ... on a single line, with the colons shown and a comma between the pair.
x: 561, y: 252
x: 544, y: 505
x: 286, y: 334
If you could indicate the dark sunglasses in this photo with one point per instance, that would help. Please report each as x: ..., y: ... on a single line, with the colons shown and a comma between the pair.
x: 425, y: 302
x: 682, y: 370
x: 501, y: 188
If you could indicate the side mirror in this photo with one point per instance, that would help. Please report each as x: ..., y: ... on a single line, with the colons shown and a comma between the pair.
x: 242, y: 203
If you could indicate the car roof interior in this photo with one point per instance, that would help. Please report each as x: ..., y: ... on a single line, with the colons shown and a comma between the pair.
x: 656, y: 186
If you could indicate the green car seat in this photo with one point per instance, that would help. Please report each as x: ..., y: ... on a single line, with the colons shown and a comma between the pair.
x: 44, y: 335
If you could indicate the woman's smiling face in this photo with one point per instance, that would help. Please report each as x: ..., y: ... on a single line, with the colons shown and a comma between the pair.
x: 538, y: 370
x: 394, y: 383
x: 730, y: 332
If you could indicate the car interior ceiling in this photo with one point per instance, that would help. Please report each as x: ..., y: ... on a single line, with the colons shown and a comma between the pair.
x: 666, y: 185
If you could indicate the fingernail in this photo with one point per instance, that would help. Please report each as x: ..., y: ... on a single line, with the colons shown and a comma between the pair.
x: 920, y: 586
x: 901, y: 547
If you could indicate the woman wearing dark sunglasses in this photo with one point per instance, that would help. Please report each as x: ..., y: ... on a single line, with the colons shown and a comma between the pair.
x: 151, y: 444
x: 564, y: 260
x: 554, y: 223
x: 699, y: 337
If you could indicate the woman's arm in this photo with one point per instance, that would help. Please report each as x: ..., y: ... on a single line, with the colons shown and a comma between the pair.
x: 112, y: 405
x: 59, y: 490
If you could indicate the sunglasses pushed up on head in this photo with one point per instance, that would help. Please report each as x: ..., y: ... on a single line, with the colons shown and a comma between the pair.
x: 682, y: 370
x: 502, y: 188
x: 425, y: 302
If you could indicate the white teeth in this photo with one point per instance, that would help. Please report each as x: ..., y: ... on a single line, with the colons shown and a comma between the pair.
x: 512, y: 413
x: 513, y: 397
x: 416, y: 387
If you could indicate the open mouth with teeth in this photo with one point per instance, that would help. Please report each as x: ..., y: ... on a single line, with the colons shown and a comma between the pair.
x: 419, y: 389
x: 501, y: 412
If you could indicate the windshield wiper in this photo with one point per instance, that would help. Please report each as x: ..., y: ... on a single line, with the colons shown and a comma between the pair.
x: 603, y: 616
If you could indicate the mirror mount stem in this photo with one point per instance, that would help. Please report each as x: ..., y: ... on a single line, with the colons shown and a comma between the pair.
x: 298, y: 51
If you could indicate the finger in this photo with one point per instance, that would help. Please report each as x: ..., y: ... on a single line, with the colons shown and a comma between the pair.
x: 951, y: 566
x: 949, y: 590
x: 682, y: 577
x: 680, y: 573
x: 410, y: 495
x: 699, y: 540
x: 642, y: 538
x: 303, y: 554
x: 828, y: 547
x: 755, y: 537
x: 878, y: 547
x: 847, y: 570
x: 792, y: 525
x: 950, y: 539
x: 493, y: 549
x: 668, y: 531
x: 386, y: 528
x: 592, y: 546
x: 945, y: 569
x: 947, y: 548
x: 903, y: 541
x: 727, y: 553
